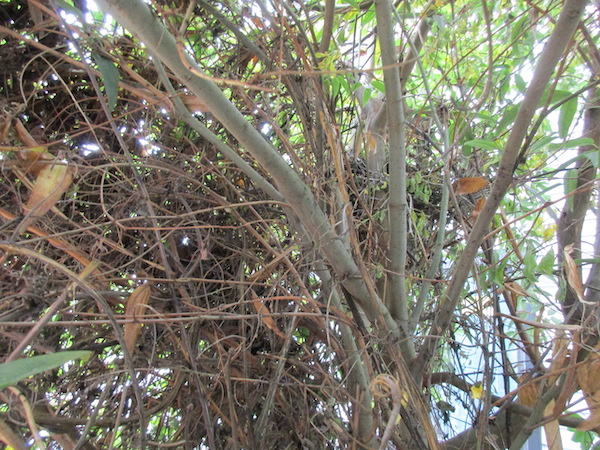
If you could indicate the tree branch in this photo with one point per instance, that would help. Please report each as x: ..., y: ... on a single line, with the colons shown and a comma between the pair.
x: 398, y: 206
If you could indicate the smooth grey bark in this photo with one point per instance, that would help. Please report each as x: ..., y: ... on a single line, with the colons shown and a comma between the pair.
x: 398, y: 205
x: 564, y: 29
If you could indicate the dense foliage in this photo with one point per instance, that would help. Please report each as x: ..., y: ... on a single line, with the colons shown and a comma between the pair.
x: 303, y: 224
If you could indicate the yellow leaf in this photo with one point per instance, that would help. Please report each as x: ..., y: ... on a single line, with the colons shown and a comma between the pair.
x: 469, y: 185
x: 136, y: 307
x: 50, y: 184
x: 477, y: 390
x: 549, y: 232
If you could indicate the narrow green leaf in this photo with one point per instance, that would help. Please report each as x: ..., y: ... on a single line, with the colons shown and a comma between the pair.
x: 15, y: 371
x: 529, y: 264
x: 570, y: 185
x: 572, y: 143
x: 567, y: 113
x: 541, y: 142
x: 366, y: 96
x: 110, y: 76
x: 482, y: 143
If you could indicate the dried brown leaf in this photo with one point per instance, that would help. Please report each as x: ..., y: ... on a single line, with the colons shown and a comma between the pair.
x: 478, y: 208
x: 135, y: 308
x: 23, y: 135
x: 588, y: 377
x: 262, y: 309
x: 529, y: 390
x: 573, y: 277
x: 516, y: 289
x: 51, y: 183
x: 552, y: 429
x: 371, y: 142
x: 469, y: 185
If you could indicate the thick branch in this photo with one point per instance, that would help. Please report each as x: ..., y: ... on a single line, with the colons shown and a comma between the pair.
x: 398, y: 209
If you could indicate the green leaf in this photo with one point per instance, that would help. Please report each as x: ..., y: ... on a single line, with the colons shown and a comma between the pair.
x: 557, y: 96
x: 508, y: 118
x: 520, y: 83
x: 572, y: 143
x: 584, y: 438
x: 546, y: 265
x: 541, y: 142
x: 567, y: 113
x: 570, y: 185
x: 367, y: 96
x: 379, y: 85
x: 14, y: 371
x: 482, y: 143
x: 529, y: 265
x: 110, y: 75
x: 519, y: 28
x: 593, y: 156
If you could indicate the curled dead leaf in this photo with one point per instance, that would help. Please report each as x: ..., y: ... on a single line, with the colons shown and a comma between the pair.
x: 572, y: 273
x: 469, y: 185
x: 35, y: 158
x: 23, y: 135
x: 135, y: 309
x: 371, y: 142
x: 51, y: 183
